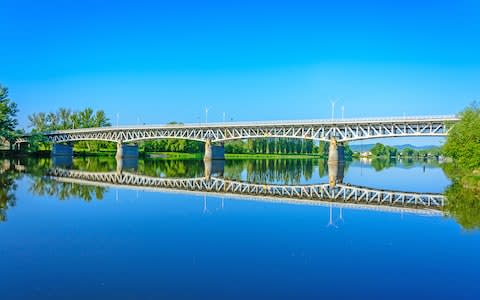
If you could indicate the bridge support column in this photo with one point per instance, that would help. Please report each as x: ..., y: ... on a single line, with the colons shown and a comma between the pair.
x: 336, y: 162
x: 62, y: 150
x: 126, y: 151
x: 213, y: 152
x: 335, y: 151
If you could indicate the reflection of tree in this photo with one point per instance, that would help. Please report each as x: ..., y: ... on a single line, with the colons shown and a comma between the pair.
x: 8, y: 176
x: 382, y: 163
x: 172, y: 168
x: 95, y: 164
x: 65, y: 190
x: 463, y: 196
x: 287, y: 171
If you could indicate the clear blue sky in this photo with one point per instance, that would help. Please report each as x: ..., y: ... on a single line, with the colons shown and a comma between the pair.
x: 158, y: 62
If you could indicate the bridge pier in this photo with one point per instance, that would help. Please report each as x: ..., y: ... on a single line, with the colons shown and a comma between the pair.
x: 62, y: 150
x: 213, y: 152
x: 335, y: 151
x: 126, y: 151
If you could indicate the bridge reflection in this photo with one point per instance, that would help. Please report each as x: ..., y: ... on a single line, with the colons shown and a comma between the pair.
x: 333, y: 193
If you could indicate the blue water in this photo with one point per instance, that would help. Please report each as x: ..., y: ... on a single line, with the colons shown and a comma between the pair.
x: 164, y: 245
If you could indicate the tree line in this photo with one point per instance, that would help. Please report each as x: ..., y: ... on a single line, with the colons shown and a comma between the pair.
x: 381, y: 150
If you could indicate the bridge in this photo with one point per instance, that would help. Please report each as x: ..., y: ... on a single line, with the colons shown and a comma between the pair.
x: 314, y: 194
x: 334, y: 131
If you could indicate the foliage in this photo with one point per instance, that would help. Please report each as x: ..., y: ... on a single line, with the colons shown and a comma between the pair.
x: 272, y: 146
x: 380, y: 150
x: 463, y: 146
x: 463, y: 141
x: 463, y: 196
x: 8, y: 185
x: 65, y: 118
x: 8, y: 114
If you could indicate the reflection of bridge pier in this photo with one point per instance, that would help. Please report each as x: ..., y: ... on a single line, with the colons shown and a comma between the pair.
x: 336, y: 171
x: 130, y: 163
x: 62, y: 161
x: 216, y: 167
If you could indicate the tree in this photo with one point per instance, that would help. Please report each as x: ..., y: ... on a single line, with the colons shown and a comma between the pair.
x: 378, y: 150
x: 8, y: 116
x: 463, y: 140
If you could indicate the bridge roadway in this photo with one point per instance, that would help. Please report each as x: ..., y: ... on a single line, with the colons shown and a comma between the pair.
x: 334, y: 131
x: 315, y: 194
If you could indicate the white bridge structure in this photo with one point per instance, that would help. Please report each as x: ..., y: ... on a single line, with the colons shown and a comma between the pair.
x: 428, y: 203
x: 334, y: 131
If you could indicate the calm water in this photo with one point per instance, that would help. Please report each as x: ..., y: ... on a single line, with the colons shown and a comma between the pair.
x: 76, y: 235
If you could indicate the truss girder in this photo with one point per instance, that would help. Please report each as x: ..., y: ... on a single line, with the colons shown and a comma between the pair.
x: 343, y: 131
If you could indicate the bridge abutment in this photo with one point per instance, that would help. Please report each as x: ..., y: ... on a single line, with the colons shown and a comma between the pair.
x: 213, y: 152
x: 62, y: 150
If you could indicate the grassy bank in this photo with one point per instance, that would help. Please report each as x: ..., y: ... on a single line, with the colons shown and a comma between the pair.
x: 172, y: 155
x: 272, y: 156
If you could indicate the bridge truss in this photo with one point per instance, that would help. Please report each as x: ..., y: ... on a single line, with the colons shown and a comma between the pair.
x: 341, y: 130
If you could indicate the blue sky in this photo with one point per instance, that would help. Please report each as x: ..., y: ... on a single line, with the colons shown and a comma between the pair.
x: 154, y: 62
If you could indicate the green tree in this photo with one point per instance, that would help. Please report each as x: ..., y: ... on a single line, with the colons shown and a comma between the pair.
x: 378, y: 150
x: 463, y: 140
x: 8, y: 116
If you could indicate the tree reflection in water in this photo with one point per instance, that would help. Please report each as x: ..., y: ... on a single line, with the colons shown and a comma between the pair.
x: 8, y: 185
x: 43, y: 186
x: 463, y: 197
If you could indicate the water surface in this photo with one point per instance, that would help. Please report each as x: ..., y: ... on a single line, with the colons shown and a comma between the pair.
x: 71, y: 240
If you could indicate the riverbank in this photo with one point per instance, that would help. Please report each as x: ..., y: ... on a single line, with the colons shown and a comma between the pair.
x: 272, y: 156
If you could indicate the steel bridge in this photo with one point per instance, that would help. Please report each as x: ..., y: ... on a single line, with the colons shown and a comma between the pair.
x: 323, y: 130
x: 426, y: 203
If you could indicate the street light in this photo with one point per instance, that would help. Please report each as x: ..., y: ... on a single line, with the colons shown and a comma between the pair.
x: 333, y: 107
x: 206, y: 114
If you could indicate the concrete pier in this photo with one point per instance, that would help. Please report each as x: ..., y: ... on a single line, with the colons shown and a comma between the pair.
x: 213, y: 152
x: 336, y: 151
x: 62, y: 150
x: 126, y: 151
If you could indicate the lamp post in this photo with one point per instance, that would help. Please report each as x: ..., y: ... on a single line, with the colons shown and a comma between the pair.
x: 333, y: 108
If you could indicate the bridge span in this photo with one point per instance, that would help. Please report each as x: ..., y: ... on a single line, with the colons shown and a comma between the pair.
x: 334, y: 131
x: 340, y: 194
